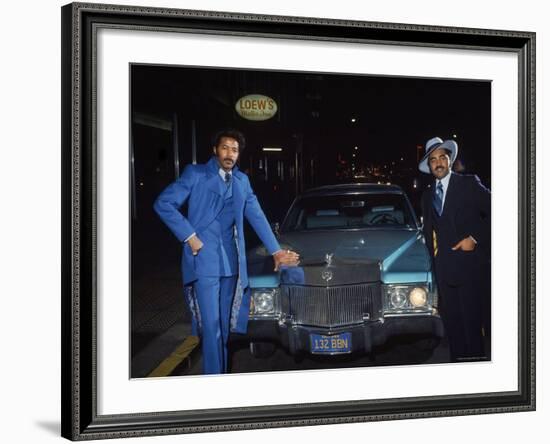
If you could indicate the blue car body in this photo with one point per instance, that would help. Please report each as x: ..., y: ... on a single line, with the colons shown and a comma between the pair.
x: 364, y: 276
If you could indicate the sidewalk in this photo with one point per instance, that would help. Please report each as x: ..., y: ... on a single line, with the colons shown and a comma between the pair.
x: 160, y: 321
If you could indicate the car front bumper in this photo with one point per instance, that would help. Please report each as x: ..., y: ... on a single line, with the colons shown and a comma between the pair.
x: 296, y: 338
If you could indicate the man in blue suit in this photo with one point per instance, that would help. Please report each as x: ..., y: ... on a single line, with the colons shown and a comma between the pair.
x: 219, y: 197
x: 456, y: 212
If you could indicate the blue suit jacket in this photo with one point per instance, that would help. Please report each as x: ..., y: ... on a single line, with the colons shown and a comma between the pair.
x: 202, y: 188
x: 466, y: 212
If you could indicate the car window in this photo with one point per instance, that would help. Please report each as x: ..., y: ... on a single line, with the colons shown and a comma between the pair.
x: 349, y: 211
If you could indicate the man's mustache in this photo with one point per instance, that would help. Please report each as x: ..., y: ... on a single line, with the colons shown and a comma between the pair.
x: 228, y: 160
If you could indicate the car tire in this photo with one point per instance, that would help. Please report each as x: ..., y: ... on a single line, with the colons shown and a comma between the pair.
x: 262, y: 349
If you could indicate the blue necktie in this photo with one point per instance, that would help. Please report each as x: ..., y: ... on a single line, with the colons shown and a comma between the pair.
x: 438, y: 198
x: 227, y: 178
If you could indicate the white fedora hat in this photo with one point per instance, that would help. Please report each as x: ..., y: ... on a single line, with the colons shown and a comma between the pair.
x: 434, y: 144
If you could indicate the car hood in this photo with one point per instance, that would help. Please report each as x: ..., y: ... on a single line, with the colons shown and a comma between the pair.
x: 400, y: 255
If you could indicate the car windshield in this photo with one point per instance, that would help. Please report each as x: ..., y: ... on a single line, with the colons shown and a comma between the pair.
x: 366, y: 210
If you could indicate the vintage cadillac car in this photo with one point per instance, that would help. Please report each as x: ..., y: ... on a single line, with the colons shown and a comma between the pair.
x: 365, y: 275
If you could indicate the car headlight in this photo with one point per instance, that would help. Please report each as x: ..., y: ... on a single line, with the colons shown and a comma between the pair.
x: 398, y: 298
x: 264, y: 301
x: 403, y: 298
x: 418, y: 297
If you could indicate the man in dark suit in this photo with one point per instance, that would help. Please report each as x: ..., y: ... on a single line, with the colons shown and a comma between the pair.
x: 456, y: 211
x: 219, y: 198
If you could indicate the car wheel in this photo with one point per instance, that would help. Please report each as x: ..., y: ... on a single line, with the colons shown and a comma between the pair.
x: 262, y: 349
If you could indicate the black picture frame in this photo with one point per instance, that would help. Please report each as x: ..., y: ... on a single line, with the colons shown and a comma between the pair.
x: 80, y: 419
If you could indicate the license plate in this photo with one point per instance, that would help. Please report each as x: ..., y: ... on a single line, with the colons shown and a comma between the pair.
x: 340, y: 343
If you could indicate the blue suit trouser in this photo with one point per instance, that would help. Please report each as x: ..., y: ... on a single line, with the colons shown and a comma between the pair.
x: 215, y: 299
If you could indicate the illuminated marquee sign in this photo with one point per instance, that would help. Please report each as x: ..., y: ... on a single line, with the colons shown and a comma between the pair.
x: 256, y: 107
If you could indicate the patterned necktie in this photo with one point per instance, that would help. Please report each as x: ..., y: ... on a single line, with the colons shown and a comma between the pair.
x: 438, y: 198
x: 227, y: 178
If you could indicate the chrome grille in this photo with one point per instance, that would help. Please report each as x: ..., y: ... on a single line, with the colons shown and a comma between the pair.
x: 331, y: 306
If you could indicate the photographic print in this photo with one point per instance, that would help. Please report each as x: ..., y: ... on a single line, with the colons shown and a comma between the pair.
x: 338, y: 165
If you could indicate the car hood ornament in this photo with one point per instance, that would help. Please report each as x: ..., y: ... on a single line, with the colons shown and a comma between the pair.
x: 326, y: 274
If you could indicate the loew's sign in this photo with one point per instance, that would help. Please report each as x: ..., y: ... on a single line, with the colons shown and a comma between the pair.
x: 256, y: 107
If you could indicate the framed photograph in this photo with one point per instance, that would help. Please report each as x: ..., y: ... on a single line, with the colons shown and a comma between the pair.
x: 349, y: 129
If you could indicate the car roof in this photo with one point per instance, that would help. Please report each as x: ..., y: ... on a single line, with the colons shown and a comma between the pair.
x: 351, y: 188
